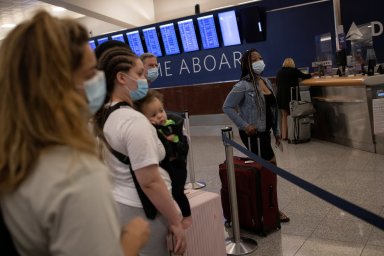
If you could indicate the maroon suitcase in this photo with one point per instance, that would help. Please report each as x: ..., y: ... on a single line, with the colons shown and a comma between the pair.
x: 256, y: 196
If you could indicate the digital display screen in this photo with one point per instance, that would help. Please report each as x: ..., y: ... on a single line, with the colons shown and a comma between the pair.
x: 208, y: 32
x: 134, y: 42
x: 188, y: 35
x: 229, y: 28
x: 169, y: 39
x: 102, y: 40
x: 151, y: 41
x: 92, y: 44
x: 118, y: 37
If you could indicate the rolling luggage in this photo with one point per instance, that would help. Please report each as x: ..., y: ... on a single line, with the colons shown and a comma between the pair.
x: 256, y: 196
x: 299, y: 129
x: 206, y: 235
x: 299, y: 120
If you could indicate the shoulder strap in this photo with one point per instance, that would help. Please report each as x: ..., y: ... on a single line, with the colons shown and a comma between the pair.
x: 149, y: 209
x: 122, y: 158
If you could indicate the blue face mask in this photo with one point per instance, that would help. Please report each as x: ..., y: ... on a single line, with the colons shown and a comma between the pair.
x: 95, y: 91
x: 258, y: 66
x: 152, y: 74
x: 142, y: 90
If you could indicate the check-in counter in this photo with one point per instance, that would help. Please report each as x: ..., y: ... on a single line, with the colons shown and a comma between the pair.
x: 349, y: 110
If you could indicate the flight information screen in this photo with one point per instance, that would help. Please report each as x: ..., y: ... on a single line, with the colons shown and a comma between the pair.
x: 208, y: 32
x: 102, y: 40
x: 188, y: 35
x: 118, y: 37
x: 92, y: 44
x: 229, y: 28
x: 168, y: 35
x: 152, y: 41
x: 134, y: 42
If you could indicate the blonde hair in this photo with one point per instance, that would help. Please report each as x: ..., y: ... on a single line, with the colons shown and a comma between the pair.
x: 289, y: 63
x: 39, y: 104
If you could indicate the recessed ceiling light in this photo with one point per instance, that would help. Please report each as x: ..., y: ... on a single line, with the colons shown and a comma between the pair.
x: 8, y: 25
x: 58, y: 9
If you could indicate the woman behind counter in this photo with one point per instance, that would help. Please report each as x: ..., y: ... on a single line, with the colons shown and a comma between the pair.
x: 287, y: 78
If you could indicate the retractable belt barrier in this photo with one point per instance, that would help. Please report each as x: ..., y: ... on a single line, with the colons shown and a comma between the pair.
x: 337, y: 201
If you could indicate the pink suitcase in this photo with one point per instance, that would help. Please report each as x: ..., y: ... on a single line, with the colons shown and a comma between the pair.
x: 206, y: 235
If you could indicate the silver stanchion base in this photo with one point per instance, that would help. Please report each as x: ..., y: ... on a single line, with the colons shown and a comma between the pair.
x: 195, y: 185
x: 244, y: 247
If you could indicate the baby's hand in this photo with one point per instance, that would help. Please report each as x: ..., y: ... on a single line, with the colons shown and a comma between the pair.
x: 171, y: 137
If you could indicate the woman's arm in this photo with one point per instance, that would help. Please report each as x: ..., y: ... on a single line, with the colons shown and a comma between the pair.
x: 302, y: 75
x: 154, y: 187
x: 235, y: 96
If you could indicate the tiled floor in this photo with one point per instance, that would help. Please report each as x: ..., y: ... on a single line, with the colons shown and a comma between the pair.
x: 316, y: 227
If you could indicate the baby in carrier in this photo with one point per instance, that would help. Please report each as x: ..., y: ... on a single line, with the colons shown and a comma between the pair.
x: 170, y: 132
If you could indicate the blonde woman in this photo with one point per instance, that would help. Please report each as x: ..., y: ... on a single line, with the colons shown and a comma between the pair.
x: 55, y: 193
x: 287, y: 78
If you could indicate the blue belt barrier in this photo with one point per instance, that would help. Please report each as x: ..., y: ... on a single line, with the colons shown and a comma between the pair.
x: 339, y: 202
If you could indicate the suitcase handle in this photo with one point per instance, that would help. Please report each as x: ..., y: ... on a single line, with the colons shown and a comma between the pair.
x: 258, y: 144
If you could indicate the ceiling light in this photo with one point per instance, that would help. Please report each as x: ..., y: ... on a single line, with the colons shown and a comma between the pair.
x: 247, y: 2
x: 58, y: 9
x: 8, y: 25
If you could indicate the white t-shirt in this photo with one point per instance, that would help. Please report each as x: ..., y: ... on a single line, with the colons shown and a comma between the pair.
x: 130, y: 133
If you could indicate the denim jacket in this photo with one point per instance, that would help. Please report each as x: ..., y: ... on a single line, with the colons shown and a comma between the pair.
x: 241, y: 106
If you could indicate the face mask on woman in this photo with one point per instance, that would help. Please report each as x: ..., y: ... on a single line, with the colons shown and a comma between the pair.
x: 152, y: 74
x: 142, y: 90
x: 95, y: 91
x: 258, y: 66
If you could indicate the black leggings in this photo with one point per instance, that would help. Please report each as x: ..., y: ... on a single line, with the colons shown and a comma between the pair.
x: 265, y: 144
x: 177, y: 171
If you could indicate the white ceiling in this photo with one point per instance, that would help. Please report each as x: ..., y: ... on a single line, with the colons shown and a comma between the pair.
x: 104, y: 16
x: 15, y: 11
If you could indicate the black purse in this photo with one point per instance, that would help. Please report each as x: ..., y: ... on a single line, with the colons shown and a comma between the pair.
x: 149, y: 209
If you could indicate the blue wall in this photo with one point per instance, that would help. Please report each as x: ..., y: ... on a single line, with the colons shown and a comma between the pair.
x: 290, y: 33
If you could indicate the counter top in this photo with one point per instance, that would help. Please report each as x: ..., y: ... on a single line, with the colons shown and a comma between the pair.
x: 334, y: 81
x: 345, y: 81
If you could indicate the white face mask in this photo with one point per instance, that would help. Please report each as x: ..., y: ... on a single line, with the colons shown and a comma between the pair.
x: 95, y: 90
x: 152, y: 74
x: 258, y: 66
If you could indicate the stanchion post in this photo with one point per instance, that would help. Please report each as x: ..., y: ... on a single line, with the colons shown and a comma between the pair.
x: 191, y: 168
x: 235, y: 245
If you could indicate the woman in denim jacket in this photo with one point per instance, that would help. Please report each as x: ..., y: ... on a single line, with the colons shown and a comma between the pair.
x: 252, y: 106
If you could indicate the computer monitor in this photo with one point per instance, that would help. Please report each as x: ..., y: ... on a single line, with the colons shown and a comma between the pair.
x: 134, y: 41
x: 168, y: 34
x: 188, y: 35
x: 118, y: 37
x: 252, y: 24
x: 92, y: 43
x: 229, y: 29
x: 208, y: 32
x: 102, y: 40
x: 152, y: 41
